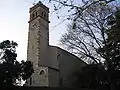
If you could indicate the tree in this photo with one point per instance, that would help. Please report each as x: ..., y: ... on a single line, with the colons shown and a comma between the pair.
x: 12, y: 70
x: 94, y: 36
x: 86, y: 78
x: 91, y: 76
x: 112, y: 49
x: 88, y: 32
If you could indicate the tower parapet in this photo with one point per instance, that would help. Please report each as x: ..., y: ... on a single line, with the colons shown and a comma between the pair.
x: 39, y: 10
x: 39, y: 4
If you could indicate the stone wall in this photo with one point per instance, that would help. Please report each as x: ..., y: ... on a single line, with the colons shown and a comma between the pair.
x: 53, y: 77
x: 68, y: 64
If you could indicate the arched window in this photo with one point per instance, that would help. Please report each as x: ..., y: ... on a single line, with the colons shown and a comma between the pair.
x: 58, y: 56
x: 33, y: 15
x: 42, y: 72
x: 44, y: 14
x: 36, y: 14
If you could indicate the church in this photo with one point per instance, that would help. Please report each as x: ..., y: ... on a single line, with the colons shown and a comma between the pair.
x: 53, y: 66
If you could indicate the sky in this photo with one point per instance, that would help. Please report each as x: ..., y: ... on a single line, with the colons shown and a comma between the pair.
x: 14, y: 17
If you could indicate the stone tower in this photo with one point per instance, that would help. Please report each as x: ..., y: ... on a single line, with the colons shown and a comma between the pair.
x: 38, y: 41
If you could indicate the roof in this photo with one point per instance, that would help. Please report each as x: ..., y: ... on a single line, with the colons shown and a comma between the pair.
x: 68, y: 53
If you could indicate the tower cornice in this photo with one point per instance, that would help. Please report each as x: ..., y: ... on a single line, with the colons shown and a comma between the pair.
x: 37, y: 17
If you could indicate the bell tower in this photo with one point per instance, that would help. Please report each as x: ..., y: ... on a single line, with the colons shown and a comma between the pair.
x: 38, y: 41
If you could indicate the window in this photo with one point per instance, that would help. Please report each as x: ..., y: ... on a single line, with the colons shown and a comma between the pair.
x: 43, y: 14
x: 33, y: 15
x: 58, y: 56
x: 36, y: 14
x: 42, y: 72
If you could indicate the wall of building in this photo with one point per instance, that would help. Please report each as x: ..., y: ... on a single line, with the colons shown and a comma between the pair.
x: 53, y: 77
x: 68, y: 64
x: 52, y: 57
x: 64, y: 64
x: 38, y: 40
x: 39, y: 77
x: 32, y: 44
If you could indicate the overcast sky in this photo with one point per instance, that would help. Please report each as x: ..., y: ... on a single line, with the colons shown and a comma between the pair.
x: 14, y: 17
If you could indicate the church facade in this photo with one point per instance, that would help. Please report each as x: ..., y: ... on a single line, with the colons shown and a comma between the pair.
x: 53, y: 66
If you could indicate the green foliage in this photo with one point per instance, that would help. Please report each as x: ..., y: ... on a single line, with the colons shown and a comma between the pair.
x: 10, y: 69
